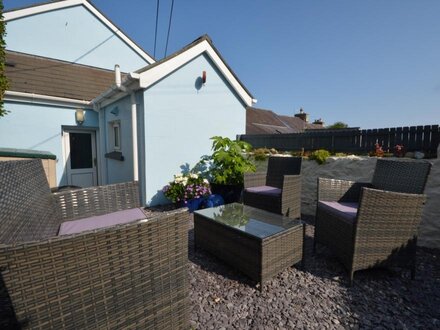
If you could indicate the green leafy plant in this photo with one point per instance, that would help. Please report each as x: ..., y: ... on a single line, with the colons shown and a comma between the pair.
x: 320, y: 156
x: 229, y: 161
x: 3, y: 80
x: 261, y: 154
x: 337, y: 125
x: 185, y: 187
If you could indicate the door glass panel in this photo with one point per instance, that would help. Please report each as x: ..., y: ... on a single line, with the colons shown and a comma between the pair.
x: 80, y: 150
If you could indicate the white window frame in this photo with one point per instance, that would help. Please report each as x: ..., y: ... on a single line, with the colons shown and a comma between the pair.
x: 115, y: 138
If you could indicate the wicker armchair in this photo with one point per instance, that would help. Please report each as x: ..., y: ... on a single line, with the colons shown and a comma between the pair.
x: 278, y: 190
x: 373, y: 224
x: 131, y: 275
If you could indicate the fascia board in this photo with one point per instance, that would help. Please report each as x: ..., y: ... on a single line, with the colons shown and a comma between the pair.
x: 151, y: 76
x: 9, y: 16
x: 45, y: 99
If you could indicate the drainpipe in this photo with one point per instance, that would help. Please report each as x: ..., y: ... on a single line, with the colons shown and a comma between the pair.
x: 134, y: 136
x: 133, y: 121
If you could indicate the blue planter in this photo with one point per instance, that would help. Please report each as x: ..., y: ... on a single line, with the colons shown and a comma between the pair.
x: 193, y: 204
x: 212, y: 201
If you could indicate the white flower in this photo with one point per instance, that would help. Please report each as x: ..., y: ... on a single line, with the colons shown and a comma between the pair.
x: 205, y: 181
x: 193, y: 176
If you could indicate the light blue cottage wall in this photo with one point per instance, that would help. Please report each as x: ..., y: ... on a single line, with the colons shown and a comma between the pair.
x: 116, y: 171
x: 180, y: 118
x: 71, y: 34
x: 38, y: 127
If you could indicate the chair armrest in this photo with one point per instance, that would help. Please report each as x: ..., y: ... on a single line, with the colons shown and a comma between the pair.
x: 254, y: 179
x: 334, y: 190
x: 97, y: 200
x: 291, y: 183
x: 291, y: 196
x: 136, y: 264
x: 389, y: 218
x: 386, y: 208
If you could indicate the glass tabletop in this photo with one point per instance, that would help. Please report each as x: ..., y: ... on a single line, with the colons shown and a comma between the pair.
x: 250, y: 220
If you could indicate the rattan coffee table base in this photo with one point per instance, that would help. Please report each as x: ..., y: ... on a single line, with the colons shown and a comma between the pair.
x: 259, y: 259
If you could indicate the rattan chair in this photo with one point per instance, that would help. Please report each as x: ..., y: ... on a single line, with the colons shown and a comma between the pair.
x: 373, y: 224
x: 278, y: 190
x: 131, y: 275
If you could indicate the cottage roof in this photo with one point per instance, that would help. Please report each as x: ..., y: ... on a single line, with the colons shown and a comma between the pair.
x: 262, y: 121
x: 60, y: 4
x: 39, y: 75
x: 149, y: 75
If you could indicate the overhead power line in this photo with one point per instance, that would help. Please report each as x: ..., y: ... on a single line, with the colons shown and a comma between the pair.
x: 155, y: 32
x: 169, y: 27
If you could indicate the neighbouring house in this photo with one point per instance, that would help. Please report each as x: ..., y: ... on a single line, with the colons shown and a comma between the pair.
x: 261, y: 121
x: 67, y: 96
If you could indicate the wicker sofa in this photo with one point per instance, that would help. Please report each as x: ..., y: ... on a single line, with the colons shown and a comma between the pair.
x: 373, y: 224
x: 278, y: 190
x: 130, y: 275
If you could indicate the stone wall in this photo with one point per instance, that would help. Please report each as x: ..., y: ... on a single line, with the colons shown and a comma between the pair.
x: 361, y: 169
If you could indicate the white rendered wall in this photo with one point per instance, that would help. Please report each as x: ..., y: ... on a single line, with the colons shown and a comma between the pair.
x: 71, y: 34
x: 181, y: 116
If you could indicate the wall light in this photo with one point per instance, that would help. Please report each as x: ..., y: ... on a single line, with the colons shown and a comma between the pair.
x: 79, y: 116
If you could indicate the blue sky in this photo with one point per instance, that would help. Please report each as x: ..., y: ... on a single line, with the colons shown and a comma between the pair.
x: 369, y: 63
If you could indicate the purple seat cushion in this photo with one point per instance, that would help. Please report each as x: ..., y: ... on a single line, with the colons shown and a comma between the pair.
x: 265, y: 190
x: 347, y: 211
x: 101, y: 221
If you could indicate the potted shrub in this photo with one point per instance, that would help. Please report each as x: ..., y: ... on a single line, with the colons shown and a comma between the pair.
x: 187, y: 190
x: 226, y: 167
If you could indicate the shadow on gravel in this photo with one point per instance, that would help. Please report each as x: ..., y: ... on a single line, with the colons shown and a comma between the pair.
x: 212, y: 264
x: 316, y: 295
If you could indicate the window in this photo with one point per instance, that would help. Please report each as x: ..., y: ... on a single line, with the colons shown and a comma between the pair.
x: 115, y: 135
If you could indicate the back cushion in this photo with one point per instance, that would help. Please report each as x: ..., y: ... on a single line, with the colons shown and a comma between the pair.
x: 277, y: 167
x: 27, y: 211
x: 401, y: 176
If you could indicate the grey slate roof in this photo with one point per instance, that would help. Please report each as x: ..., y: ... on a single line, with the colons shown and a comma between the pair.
x: 39, y: 75
x: 261, y: 121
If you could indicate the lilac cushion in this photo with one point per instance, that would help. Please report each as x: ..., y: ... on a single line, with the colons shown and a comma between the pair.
x: 347, y: 211
x: 101, y: 221
x: 265, y: 190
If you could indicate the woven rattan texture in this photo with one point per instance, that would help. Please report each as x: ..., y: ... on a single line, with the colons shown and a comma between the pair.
x: 92, y: 201
x: 27, y: 211
x: 385, y: 229
x: 283, y: 172
x: 121, y: 277
x: 260, y: 259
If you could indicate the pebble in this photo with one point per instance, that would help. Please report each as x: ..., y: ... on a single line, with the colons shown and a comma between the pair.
x: 316, y: 297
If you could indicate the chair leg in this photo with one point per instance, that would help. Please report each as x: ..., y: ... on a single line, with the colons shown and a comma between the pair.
x: 413, y: 272
x: 350, y: 280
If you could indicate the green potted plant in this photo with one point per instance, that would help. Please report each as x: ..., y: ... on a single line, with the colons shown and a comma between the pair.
x: 226, y: 167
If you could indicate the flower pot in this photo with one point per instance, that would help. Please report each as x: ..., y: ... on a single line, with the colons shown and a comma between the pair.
x: 230, y: 193
x: 191, y: 204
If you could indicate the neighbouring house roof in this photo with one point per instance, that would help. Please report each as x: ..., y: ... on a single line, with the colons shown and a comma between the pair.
x: 261, y: 121
x: 33, y: 74
x: 54, y: 5
x: 151, y: 74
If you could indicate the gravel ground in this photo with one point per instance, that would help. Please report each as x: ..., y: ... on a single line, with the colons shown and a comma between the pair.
x: 315, y: 297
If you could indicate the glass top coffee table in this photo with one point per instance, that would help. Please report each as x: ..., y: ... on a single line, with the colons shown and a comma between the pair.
x: 258, y: 243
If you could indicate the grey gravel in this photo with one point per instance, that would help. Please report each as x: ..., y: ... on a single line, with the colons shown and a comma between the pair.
x: 315, y: 297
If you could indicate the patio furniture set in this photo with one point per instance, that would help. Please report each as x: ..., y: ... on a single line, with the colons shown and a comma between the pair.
x: 63, y: 266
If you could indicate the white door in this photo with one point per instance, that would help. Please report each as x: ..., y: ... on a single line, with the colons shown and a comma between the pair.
x: 80, y: 153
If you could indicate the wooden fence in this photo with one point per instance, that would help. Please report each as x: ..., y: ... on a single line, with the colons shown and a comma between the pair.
x: 414, y: 138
